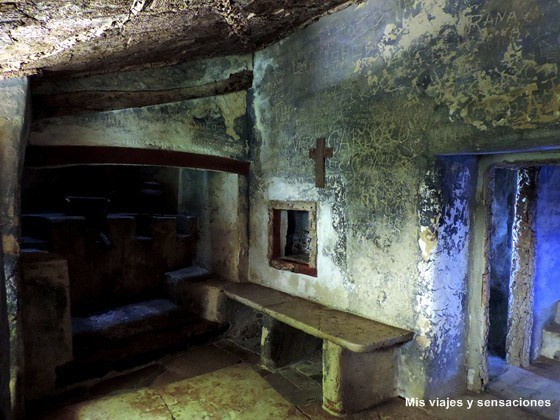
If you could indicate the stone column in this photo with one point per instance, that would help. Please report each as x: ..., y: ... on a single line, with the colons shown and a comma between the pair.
x: 47, y: 324
x: 520, y: 316
x: 14, y: 131
x: 4, y: 347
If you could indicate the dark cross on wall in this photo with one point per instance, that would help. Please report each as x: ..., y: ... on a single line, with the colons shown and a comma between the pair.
x: 320, y: 153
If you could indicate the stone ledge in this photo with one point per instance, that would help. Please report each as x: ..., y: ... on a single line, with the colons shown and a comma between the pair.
x: 357, y: 334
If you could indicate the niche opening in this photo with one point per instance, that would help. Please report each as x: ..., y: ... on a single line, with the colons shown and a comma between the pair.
x: 293, y: 236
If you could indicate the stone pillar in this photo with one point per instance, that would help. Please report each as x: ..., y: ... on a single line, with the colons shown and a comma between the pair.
x: 520, y: 316
x: 47, y: 324
x: 14, y: 131
x: 353, y: 382
x: 4, y: 347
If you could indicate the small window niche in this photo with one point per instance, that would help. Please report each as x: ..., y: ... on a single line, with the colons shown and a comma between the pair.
x: 292, y: 239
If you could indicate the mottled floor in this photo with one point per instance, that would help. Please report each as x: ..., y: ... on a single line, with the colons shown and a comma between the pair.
x: 234, y: 391
x: 541, y: 381
x: 223, y: 380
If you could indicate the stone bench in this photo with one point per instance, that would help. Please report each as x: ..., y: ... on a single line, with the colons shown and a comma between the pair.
x: 359, y: 355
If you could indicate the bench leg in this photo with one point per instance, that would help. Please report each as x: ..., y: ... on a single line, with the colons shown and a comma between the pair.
x: 354, y: 382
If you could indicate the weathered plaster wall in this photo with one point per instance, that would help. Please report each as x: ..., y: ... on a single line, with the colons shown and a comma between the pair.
x: 46, y: 317
x: 391, y: 84
x: 196, y: 126
x: 214, y: 125
x: 4, y: 347
x: 440, y: 305
x: 14, y: 130
x: 547, y: 230
x: 219, y: 202
x: 193, y: 73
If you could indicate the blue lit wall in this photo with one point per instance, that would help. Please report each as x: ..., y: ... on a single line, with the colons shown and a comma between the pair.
x: 547, y: 271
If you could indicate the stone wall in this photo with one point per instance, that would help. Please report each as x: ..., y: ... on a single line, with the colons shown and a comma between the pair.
x: 547, y: 231
x: 220, y: 202
x: 391, y: 85
x: 212, y: 125
x: 46, y: 320
x: 14, y: 130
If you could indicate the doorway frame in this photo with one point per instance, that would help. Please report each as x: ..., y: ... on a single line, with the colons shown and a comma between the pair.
x: 478, y: 280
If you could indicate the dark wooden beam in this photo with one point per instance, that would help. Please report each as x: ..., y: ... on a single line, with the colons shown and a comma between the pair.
x: 45, y: 156
x: 69, y: 103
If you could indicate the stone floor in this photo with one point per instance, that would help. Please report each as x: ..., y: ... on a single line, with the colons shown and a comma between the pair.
x: 131, y: 335
x: 541, y: 381
x: 224, y: 380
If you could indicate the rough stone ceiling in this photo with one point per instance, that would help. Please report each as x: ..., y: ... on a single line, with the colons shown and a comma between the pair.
x: 109, y: 35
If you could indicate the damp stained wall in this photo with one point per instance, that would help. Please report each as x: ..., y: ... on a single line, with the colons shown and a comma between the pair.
x: 391, y: 85
x: 212, y: 125
x: 547, y: 231
x: 14, y: 131
x: 219, y: 202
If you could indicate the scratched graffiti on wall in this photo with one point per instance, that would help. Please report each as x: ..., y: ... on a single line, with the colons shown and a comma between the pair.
x: 390, y: 83
x: 484, y: 64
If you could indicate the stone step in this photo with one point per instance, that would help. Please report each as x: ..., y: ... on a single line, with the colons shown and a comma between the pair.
x: 176, y: 281
x: 130, y: 336
x: 551, y: 342
x: 30, y: 243
x: 137, y: 318
x: 189, y: 274
x: 198, y: 291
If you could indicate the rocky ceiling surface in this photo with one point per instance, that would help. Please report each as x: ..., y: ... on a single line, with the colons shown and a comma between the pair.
x: 57, y: 36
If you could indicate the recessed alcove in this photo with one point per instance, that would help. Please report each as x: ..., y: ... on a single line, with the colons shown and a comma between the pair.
x: 293, y: 236
x: 108, y: 246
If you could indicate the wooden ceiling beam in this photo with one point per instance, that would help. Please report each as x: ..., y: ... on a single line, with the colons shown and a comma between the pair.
x: 79, y: 102
x: 52, y: 156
